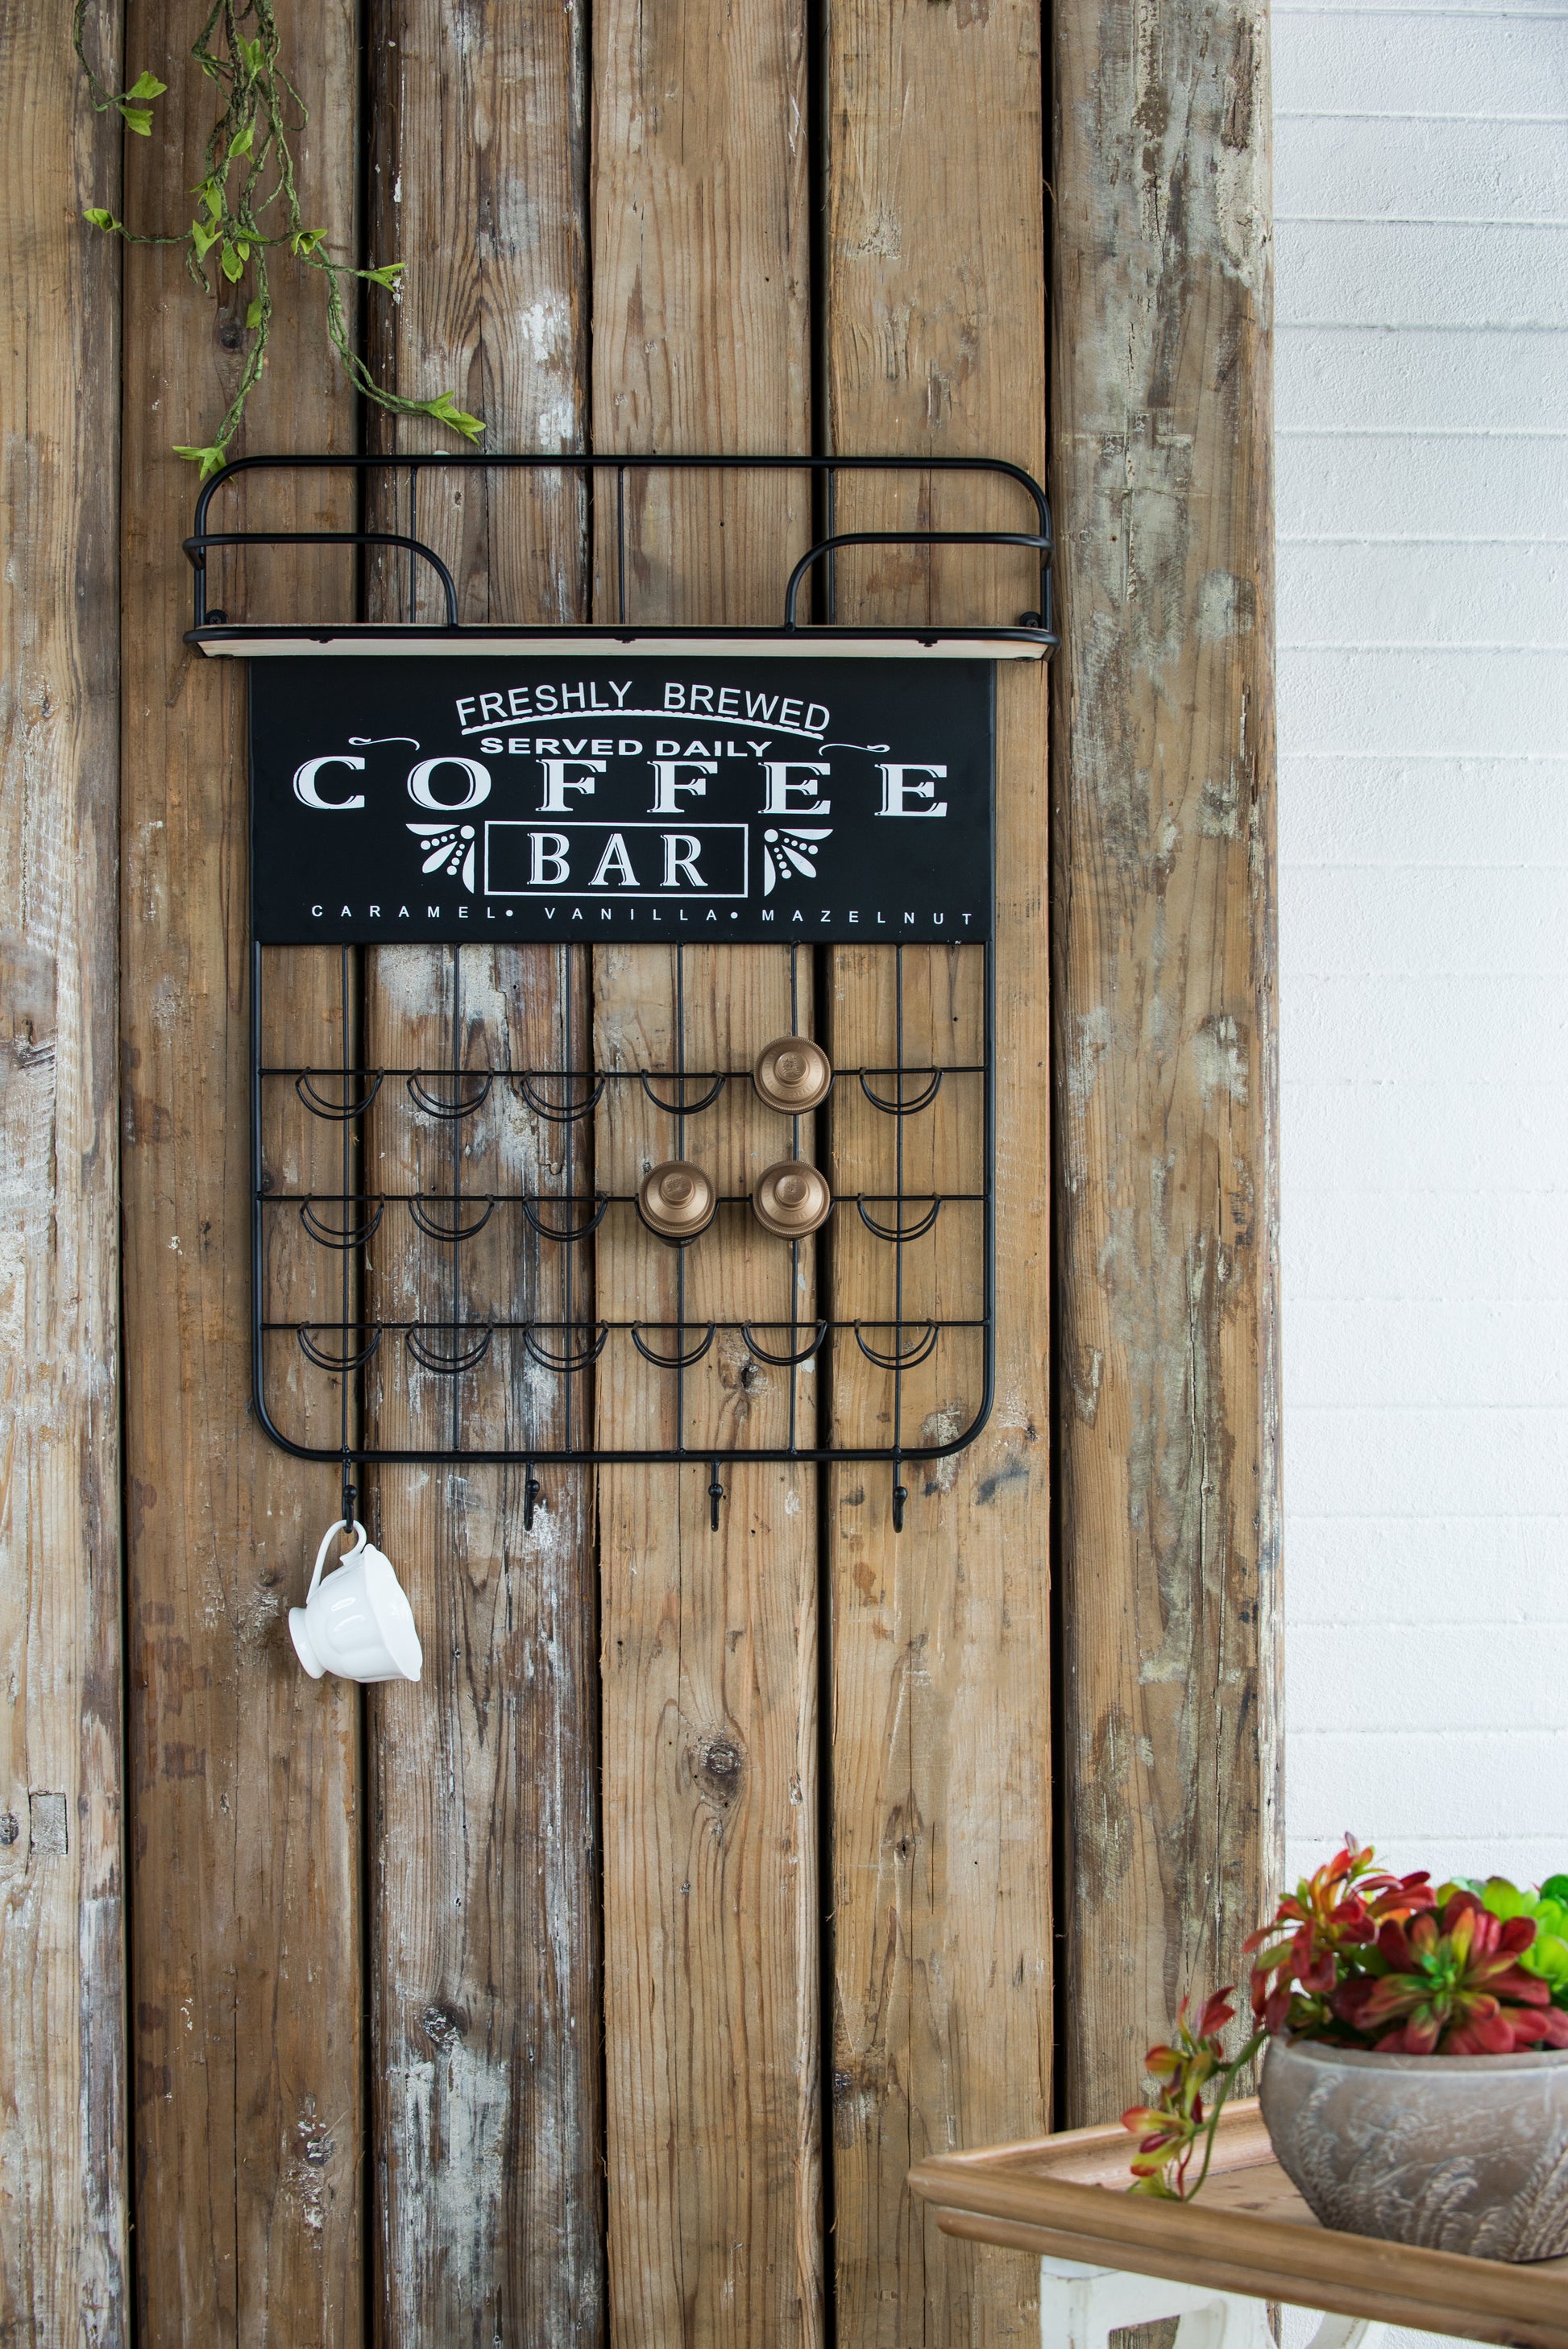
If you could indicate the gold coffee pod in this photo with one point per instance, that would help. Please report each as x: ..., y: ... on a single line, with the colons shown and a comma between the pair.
x: 676, y: 1200
x: 792, y: 1074
x: 791, y: 1199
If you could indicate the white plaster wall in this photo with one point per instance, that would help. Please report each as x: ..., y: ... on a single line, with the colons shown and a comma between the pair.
x: 1421, y: 191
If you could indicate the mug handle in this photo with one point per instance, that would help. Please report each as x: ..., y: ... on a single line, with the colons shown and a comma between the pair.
x: 338, y: 1526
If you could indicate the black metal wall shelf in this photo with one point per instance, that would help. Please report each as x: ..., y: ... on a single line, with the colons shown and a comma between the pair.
x: 450, y: 1263
x: 1028, y: 636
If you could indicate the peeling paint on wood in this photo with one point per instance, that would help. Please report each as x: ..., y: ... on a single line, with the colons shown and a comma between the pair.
x: 1165, y: 956
x: 62, y: 1950
x: 484, y: 1833
x: 711, y: 1893
x: 245, y: 1806
x: 941, y: 1865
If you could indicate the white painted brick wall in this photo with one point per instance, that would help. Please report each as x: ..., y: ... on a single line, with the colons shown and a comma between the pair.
x: 1422, y: 193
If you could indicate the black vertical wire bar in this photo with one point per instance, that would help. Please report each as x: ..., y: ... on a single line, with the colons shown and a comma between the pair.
x: 680, y: 1153
x: 833, y: 557
x: 620, y: 541
x: 413, y: 532
x: 898, y: 1250
x: 258, y: 1372
x: 568, y: 1061
x: 794, y: 1245
x: 456, y: 1124
x: 343, y: 1350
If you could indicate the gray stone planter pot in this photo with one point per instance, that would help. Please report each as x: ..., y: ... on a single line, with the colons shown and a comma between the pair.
x: 1458, y: 2153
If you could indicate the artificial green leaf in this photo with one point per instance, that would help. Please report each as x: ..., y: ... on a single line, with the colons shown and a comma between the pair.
x: 203, y: 239
x: 243, y: 140
x: 253, y: 317
x: 210, y: 460
x: 147, y: 85
x: 138, y: 118
x: 388, y: 273
x: 232, y: 263
x: 445, y: 410
x: 305, y: 241
x: 98, y: 218
x: 1555, y: 1888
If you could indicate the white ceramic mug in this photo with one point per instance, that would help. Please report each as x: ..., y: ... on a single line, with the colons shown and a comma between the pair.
x: 356, y: 1621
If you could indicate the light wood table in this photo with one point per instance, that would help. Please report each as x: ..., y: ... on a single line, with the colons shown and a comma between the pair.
x: 1248, y: 2240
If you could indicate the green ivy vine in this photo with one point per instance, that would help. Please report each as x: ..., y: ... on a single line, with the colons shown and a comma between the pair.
x: 248, y: 207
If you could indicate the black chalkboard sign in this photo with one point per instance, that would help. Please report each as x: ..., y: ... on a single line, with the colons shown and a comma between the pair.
x: 451, y: 798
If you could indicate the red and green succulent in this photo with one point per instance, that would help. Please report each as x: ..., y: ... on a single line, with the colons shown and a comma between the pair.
x: 1361, y: 1958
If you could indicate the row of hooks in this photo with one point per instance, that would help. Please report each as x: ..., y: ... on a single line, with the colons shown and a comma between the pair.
x: 528, y: 1082
x: 473, y: 1340
x: 423, y: 1206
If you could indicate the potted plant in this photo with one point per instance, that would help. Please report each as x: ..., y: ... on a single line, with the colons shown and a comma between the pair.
x: 1415, y: 2084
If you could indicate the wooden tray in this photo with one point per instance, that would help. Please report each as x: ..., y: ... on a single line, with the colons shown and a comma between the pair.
x: 1065, y: 2196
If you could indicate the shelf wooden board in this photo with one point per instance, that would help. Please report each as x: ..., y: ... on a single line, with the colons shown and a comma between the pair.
x: 1251, y: 2232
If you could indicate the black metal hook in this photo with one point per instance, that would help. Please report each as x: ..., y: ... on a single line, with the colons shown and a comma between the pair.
x: 715, y: 1496
x: 897, y: 1234
x: 354, y: 1361
x: 788, y: 1361
x: 684, y: 1108
x: 531, y: 1200
x: 568, y: 1360
x: 901, y: 1108
x: 423, y: 1098
x: 436, y: 1230
x: 900, y: 1495
x: 449, y: 1366
x: 532, y: 1492
x: 319, y: 1106
x: 899, y: 1359
x: 678, y: 1360
x: 345, y: 1237
x: 559, y: 1113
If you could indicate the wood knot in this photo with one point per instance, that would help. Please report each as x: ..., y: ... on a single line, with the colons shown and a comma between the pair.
x: 720, y: 1768
x: 444, y: 2026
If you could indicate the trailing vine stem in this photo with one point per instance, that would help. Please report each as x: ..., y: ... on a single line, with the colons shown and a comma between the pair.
x: 248, y: 206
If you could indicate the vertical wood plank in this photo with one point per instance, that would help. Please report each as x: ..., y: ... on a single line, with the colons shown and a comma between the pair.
x: 1165, y: 794
x: 62, y: 1951
x: 484, y: 1923
x: 701, y: 342
x: 246, y: 1985
x: 940, y: 1734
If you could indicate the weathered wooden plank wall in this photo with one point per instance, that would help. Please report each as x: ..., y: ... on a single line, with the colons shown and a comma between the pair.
x: 1164, y: 795
x: 701, y: 293
x: 244, y: 1814
x: 365, y: 1963
x: 934, y: 325
x: 62, y: 1951
x: 484, y: 1856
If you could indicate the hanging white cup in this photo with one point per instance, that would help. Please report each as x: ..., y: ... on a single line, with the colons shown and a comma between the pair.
x: 356, y: 1621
